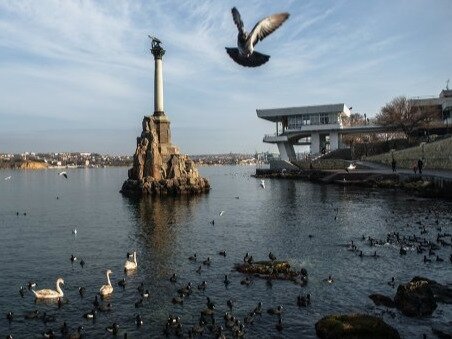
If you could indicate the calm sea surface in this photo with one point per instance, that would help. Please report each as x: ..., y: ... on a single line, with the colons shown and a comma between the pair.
x: 165, y: 232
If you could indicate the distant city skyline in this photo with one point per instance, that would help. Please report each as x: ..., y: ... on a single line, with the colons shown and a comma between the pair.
x: 78, y: 75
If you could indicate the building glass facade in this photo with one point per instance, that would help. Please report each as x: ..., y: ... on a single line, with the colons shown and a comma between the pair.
x: 298, y: 121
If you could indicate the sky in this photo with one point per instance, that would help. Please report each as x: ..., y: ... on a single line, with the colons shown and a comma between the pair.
x: 78, y: 75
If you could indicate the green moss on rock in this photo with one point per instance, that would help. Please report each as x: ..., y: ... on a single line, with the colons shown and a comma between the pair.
x: 354, y: 326
x: 270, y: 270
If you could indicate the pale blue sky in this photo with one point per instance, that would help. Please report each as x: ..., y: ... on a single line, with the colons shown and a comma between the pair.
x: 78, y: 75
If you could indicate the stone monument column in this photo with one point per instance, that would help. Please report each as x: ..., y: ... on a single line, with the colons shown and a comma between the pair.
x: 158, y: 167
x: 158, y: 53
x: 161, y: 120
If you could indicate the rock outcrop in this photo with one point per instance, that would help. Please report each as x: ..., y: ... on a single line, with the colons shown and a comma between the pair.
x: 415, y: 299
x: 280, y: 270
x: 354, y: 326
x: 158, y: 168
x: 441, y: 293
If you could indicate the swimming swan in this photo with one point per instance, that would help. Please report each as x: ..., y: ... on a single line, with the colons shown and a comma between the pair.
x: 50, y: 294
x: 106, y: 290
x: 131, y: 265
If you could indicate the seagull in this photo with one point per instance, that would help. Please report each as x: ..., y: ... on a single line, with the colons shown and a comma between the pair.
x: 350, y: 167
x: 263, y: 183
x: 221, y: 213
x: 8, y: 178
x: 245, y: 54
x: 74, y: 231
x: 64, y: 174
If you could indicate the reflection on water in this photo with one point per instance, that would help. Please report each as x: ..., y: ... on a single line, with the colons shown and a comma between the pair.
x: 165, y: 232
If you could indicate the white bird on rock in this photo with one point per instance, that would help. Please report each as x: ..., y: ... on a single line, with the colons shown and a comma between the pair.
x: 245, y: 54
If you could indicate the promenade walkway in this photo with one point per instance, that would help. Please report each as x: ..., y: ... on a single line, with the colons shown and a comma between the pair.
x: 377, y: 167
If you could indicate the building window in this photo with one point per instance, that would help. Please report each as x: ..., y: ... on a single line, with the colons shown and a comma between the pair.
x: 324, y: 119
x: 294, y: 122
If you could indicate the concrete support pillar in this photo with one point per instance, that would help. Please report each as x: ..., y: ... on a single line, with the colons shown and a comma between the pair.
x: 286, y: 151
x: 334, y: 141
x: 315, y: 143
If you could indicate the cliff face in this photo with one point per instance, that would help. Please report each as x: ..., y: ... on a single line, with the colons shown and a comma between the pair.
x: 24, y: 164
x: 158, y: 168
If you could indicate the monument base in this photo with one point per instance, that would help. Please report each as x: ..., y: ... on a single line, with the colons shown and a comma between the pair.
x: 158, y: 167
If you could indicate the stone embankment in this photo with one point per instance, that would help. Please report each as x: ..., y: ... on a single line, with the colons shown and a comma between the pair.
x: 422, y: 185
x: 435, y: 155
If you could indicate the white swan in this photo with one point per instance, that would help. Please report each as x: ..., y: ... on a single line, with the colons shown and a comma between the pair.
x: 106, y: 290
x: 131, y: 265
x: 50, y: 294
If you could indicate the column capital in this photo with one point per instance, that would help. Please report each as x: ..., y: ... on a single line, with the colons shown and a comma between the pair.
x: 157, y: 51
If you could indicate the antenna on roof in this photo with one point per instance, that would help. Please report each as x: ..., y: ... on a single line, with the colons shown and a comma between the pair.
x: 447, y: 84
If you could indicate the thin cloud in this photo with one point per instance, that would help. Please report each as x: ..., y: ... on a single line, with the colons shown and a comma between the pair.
x: 88, y: 63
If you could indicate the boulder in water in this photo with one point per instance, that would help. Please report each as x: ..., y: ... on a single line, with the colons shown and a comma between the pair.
x: 354, y: 326
x: 442, y: 293
x: 415, y: 299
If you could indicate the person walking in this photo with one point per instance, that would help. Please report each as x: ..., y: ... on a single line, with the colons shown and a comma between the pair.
x: 393, y: 164
x: 420, y: 164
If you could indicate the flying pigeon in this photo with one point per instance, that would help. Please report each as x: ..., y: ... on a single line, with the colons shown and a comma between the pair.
x: 64, y: 174
x: 245, y: 54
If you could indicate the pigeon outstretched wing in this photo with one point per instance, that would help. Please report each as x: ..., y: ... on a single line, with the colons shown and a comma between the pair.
x: 266, y: 26
x: 237, y: 19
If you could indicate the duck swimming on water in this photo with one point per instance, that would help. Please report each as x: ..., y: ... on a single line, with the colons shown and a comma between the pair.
x: 113, y: 329
x: 329, y: 280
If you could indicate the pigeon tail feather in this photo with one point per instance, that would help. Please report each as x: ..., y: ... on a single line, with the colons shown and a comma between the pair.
x: 254, y: 60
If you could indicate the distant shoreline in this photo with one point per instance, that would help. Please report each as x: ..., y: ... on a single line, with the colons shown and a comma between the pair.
x: 29, y: 166
x: 37, y: 165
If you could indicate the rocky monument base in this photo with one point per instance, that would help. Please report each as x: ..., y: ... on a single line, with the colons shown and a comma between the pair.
x: 158, y: 167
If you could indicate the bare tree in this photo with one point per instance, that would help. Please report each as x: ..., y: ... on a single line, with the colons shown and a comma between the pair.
x: 403, y: 115
x: 356, y: 119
